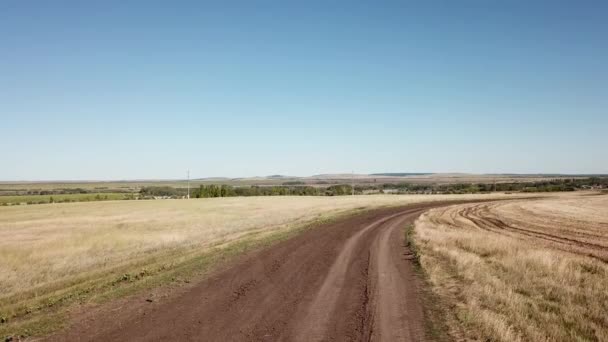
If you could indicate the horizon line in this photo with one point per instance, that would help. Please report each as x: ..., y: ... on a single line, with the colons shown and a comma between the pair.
x: 379, y: 174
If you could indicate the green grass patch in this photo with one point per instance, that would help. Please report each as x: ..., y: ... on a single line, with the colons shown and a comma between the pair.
x: 42, y: 199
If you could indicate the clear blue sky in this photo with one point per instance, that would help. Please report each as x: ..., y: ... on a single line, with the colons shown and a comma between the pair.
x: 140, y: 89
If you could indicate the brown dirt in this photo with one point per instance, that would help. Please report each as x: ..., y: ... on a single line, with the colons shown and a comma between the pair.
x: 351, y: 280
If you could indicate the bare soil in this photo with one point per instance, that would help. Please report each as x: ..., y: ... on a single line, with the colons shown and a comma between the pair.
x: 352, y: 280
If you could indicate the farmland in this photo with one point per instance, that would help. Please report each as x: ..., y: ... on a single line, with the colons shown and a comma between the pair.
x: 362, y: 180
x: 52, y: 254
x: 42, y: 199
x: 319, y: 180
x: 520, y: 270
x: 513, y: 267
x: 19, y: 193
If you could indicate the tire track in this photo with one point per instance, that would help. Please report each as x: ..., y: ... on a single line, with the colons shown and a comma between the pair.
x: 324, y: 305
x: 483, y: 217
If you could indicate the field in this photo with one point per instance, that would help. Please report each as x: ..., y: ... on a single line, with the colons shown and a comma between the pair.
x: 10, y: 188
x: 40, y: 199
x: 526, y: 268
x: 53, y: 254
x: 520, y: 270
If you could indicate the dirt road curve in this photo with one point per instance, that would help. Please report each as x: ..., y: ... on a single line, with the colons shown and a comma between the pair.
x: 351, y: 280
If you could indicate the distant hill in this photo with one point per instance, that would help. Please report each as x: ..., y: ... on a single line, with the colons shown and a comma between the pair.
x: 337, y: 176
x: 401, y: 174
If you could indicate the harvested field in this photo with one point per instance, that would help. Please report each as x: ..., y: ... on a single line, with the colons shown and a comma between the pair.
x: 522, y: 270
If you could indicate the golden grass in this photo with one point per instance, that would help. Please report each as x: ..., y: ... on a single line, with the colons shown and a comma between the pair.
x: 52, y: 243
x: 524, y: 270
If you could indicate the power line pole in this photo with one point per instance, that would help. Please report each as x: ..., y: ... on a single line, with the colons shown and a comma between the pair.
x: 188, y: 184
x: 352, y: 182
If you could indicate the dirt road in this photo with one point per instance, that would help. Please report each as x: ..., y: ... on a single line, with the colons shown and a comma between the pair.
x: 351, y: 280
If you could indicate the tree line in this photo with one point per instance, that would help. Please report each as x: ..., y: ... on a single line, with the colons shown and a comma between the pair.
x: 206, y: 191
x: 549, y: 185
x: 223, y: 190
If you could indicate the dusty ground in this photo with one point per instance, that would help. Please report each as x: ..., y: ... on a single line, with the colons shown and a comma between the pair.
x: 350, y: 280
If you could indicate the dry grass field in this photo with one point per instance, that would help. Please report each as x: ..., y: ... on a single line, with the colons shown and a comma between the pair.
x: 55, y: 254
x: 522, y: 270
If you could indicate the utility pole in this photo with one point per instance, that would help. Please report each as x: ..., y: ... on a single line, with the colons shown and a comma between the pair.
x: 352, y: 182
x: 188, y: 184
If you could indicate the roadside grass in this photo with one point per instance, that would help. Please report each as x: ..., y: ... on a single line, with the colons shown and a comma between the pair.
x: 504, y: 286
x: 436, y: 328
